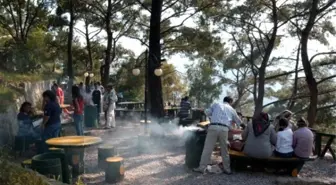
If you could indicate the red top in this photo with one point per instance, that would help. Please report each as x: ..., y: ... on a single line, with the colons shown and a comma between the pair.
x: 60, y: 94
x: 79, y: 105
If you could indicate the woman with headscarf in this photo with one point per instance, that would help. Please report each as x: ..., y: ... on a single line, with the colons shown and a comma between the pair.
x: 259, y: 137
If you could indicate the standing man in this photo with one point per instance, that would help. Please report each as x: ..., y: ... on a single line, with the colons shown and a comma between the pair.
x: 110, y: 99
x: 222, y: 118
x: 185, y: 108
x: 184, y: 112
x: 101, y: 88
x: 96, y: 98
x: 59, y: 93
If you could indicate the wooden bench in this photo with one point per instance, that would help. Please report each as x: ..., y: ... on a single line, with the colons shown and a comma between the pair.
x: 292, y: 166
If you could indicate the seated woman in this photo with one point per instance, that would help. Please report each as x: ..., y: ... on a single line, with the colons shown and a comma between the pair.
x: 26, y: 128
x: 259, y: 137
x: 286, y: 114
x: 284, y: 140
x: 303, y: 139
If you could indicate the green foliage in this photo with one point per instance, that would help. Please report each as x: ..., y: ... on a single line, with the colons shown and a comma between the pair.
x: 203, y: 87
x: 11, y: 174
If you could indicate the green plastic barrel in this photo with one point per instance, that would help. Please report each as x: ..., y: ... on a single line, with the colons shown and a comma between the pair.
x: 49, y: 167
x: 90, y: 116
x: 194, y: 147
x: 47, y: 164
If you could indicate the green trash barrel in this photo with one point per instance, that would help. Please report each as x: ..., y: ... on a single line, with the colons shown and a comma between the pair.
x: 48, y: 166
x: 52, y: 164
x: 90, y: 116
x: 195, y: 140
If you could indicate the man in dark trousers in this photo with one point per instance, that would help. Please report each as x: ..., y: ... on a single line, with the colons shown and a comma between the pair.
x: 96, y: 98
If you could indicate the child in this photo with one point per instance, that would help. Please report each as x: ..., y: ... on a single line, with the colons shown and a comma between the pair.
x: 284, y: 142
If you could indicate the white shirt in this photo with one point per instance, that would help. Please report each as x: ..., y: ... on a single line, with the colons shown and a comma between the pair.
x: 223, y: 114
x: 284, y: 142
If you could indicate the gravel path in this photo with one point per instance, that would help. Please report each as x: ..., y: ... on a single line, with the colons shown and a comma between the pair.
x: 162, y: 161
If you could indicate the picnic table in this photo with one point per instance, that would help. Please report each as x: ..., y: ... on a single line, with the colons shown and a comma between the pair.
x: 74, y: 147
x: 318, y: 144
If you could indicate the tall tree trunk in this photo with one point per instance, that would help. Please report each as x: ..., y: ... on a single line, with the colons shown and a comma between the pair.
x: 106, y: 71
x: 292, y: 101
x: 311, y: 81
x: 89, y: 65
x: 154, y: 82
x: 70, y: 38
x: 262, y: 70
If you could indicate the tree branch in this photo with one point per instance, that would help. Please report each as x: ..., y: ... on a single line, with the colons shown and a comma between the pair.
x: 326, y: 79
x: 299, y: 70
x: 136, y: 38
x: 143, y: 6
x: 318, y: 109
x: 326, y: 6
x: 170, y: 5
x: 298, y: 97
x: 323, y: 53
x: 191, y: 15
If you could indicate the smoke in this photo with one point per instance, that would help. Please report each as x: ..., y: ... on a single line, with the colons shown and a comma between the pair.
x: 164, y: 135
x: 133, y: 137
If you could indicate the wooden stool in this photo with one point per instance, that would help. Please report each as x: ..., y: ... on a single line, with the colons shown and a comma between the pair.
x: 26, y: 163
x: 53, y: 149
x: 115, y: 169
x: 104, y: 152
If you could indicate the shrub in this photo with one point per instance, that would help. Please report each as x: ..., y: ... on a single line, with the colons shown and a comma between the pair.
x: 11, y: 174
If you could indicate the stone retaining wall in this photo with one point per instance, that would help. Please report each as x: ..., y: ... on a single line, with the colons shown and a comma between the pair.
x: 8, y: 123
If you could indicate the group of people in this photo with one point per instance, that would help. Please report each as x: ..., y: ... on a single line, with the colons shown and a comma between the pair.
x: 51, y: 123
x: 260, y: 138
x: 282, y: 139
x: 50, y: 126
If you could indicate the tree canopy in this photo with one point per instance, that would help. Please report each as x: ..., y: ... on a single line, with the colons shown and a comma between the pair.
x: 266, y: 54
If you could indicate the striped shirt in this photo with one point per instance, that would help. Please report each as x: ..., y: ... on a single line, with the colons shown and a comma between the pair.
x: 184, y: 109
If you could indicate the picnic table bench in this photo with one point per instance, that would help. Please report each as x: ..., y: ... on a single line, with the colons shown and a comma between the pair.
x: 292, y: 165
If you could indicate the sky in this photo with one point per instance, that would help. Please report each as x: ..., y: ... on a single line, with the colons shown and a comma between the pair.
x: 285, y: 49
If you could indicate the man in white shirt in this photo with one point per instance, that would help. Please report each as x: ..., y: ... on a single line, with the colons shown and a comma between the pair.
x: 222, y: 116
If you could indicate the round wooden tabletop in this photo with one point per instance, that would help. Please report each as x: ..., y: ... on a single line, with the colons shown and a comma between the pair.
x: 64, y: 106
x: 73, y: 141
x: 114, y: 159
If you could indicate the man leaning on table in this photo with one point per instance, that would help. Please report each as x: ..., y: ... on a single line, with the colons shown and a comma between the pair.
x: 222, y: 116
